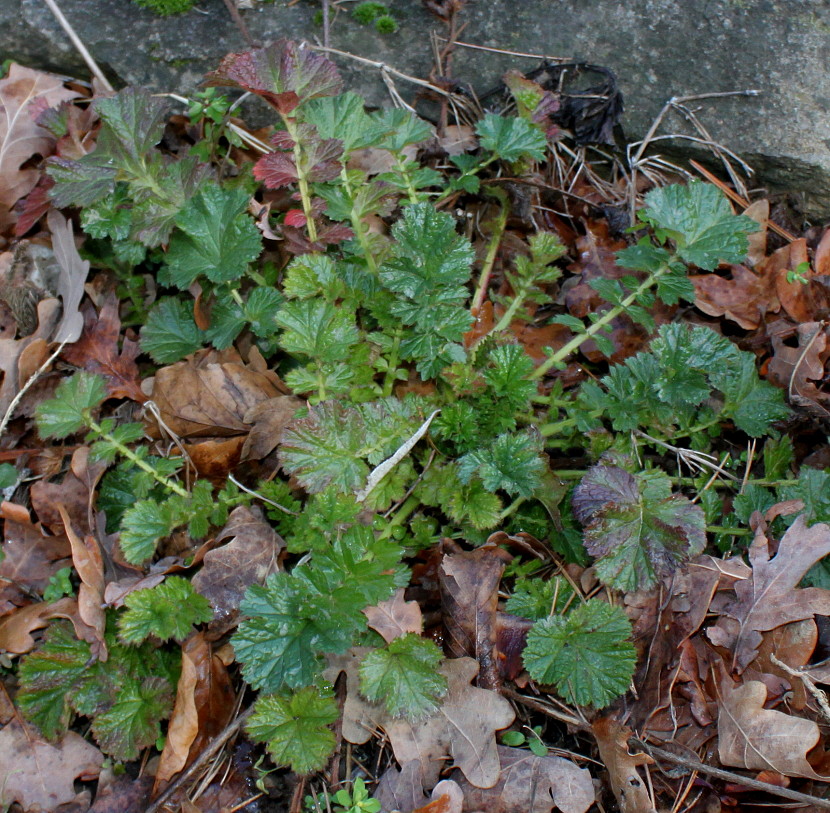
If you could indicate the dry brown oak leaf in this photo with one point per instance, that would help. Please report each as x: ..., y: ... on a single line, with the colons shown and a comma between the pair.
x: 752, y: 737
x: 533, y: 785
x: 24, y: 95
x: 395, y: 617
x: 464, y: 727
x: 97, y: 351
x: 36, y: 774
x: 210, y: 392
x: 627, y: 785
x: 770, y: 597
x: 249, y: 558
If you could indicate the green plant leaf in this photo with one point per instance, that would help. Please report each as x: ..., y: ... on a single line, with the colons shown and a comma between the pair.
x: 752, y: 403
x: 68, y: 411
x: 427, y: 271
x: 636, y: 528
x: 536, y: 599
x: 331, y: 445
x: 133, y: 721
x: 318, y: 330
x: 216, y: 238
x: 290, y: 623
x: 168, y: 610
x: 402, y: 128
x: 403, y: 676
x: 326, y: 448
x: 511, y: 138
x: 170, y: 332
x: 295, y: 728
x: 699, y: 219
x: 61, y: 678
x: 148, y: 521
x: 512, y: 462
x: 343, y: 117
x: 586, y: 655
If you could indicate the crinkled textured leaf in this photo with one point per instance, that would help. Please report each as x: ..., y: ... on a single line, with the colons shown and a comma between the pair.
x: 314, y: 328
x: 64, y: 414
x: 133, y: 122
x: 168, y: 610
x: 295, y: 728
x: 586, y: 655
x: 60, y: 678
x: 511, y: 138
x: 699, y: 219
x: 170, y: 332
x: 635, y: 527
x: 402, y: 128
x: 402, y: 675
x: 133, y: 722
x: 290, y: 622
x: 24, y: 94
x: 536, y: 599
x: 343, y: 117
x: 668, y: 384
x: 216, y: 239
x: 313, y: 275
x: 428, y: 269
x: 329, y: 446
x: 512, y: 463
x: 317, y: 608
x: 280, y: 68
x: 752, y: 403
x: 325, y: 448
x: 143, y: 525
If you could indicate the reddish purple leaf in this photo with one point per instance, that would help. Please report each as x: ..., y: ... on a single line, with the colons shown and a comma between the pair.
x: 275, y: 170
x: 277, y: 70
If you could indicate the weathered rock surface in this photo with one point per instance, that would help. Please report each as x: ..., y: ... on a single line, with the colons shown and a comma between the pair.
x: 658, y: 49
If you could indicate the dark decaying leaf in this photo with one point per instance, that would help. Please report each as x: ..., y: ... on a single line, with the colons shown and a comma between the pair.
x: 209, y: 394
x: 30, y: 558
x: 628, y: 785
x: 204, y: 704
x: 469, y: 592
x: 249, y: 558
x: 752, y: 736
x: 97, y: 351
x: 37, y: 774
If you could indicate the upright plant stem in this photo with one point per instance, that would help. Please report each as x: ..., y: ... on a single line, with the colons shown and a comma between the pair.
x: 492, y: 249
x: 302, y: 179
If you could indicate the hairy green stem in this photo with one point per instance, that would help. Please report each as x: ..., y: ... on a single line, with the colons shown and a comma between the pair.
x: 722, y: 529
x: 411, y: 191
x: 487, y: 266
x: 512, y: 508
x: 302, y: 178
x: 358, y: 225
x: 389, y: 378
x: 138, y: 461
x: 574, y: 344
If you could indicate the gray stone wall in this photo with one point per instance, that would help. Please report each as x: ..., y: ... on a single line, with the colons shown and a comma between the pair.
x: 658, y: 48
